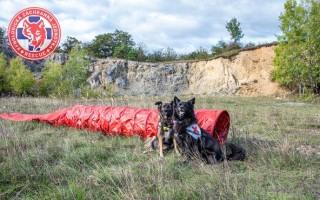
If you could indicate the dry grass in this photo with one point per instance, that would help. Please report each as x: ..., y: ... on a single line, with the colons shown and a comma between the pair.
x: 38, y: 161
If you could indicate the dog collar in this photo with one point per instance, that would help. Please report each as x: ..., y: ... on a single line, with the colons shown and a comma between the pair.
x: 194, y: 130
x: 178, y: 121
x: 166, y: 130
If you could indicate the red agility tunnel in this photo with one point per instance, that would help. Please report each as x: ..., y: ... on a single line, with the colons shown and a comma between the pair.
x: 126, y: 121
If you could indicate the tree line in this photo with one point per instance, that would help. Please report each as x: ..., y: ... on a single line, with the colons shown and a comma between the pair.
x: 297, y: 56
x: 54, y: 80
x: 297, y: 60
x: 120, y: 44
x: 69, y: 80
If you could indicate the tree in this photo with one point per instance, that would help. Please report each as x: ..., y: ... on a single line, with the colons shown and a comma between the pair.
x: 202, y: 53
x: 137, y: 53
x: 220, y: 48
x: 121, y: 51
x: 188, y: 56
x: 101, y: 46
x: 104, y: 45
x: 52, y: 78
x: 156, y: 56
x: 140, y: 51
x: 58, y: 50
x: 74, y: 72
x: 199, y: 54
x: 2, y: 39
x: 313, y: 45
x: 133, y: 54
x: 169, y: 54
x: 20, y: 79
x: 4, y: 44
x: 297, y: 60
x: 233, y: 27
x: 121, y: 37
x: 250, y: 45
x: 70, y: 43
x: 3, y: 66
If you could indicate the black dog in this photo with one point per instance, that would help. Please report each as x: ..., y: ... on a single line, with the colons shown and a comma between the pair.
x: 195, y: 140
x: 165, y: 128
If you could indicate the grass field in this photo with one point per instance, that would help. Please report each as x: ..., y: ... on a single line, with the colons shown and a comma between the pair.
x: 282, y: 139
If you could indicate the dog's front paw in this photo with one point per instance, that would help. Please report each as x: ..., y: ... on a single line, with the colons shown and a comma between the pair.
x: 160, y: 158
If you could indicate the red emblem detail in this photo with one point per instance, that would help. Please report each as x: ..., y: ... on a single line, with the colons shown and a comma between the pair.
x: 195, y: 129
x: 34, y: 33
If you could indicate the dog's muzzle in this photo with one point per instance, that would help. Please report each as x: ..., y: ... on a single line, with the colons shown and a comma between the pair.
x: 181, y: 113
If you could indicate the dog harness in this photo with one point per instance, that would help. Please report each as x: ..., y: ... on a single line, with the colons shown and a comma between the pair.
x: 165, y: 130
x: 194, y: 130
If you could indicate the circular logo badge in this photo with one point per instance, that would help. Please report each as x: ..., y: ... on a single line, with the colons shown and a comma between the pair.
x: 34, y: 33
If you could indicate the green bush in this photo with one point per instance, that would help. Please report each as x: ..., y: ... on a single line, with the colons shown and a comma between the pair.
x: 297, y: 58
x: 20, y: 79
x: 121, y: 51
x: 3, y: 66
x: 75, y: 69
x: 68, y: 80
x: 51, y: 78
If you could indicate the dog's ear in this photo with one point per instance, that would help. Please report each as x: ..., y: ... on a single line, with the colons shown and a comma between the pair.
x: 176, y: 100
x: 158, y: 103
x: 192, y: 101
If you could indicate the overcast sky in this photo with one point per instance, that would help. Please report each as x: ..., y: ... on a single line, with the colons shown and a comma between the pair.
x: 184, y: 25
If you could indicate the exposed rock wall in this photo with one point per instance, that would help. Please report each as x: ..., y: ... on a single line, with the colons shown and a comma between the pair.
x: 244, y: 74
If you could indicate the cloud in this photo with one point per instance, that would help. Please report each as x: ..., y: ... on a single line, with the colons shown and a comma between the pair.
x: 184, y: 25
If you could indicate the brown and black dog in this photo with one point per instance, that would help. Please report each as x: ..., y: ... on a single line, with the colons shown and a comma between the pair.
x: 165, y: 127
x: 196, y: 141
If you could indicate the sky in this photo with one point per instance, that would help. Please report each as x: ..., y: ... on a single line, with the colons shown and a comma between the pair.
x: 184, y: 25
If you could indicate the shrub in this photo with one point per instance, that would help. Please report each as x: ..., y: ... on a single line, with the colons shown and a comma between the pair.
x: 52, y: 76
x: 75, y: 69
x: 20, y: 79
x: 3, y: 66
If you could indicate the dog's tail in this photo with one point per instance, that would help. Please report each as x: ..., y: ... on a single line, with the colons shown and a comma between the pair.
x: 237, y: 152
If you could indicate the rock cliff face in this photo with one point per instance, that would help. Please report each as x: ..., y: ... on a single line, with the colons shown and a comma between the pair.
x: 247, y: 74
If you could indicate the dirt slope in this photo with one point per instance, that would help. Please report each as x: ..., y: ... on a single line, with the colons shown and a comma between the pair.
x: 246, y: 74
